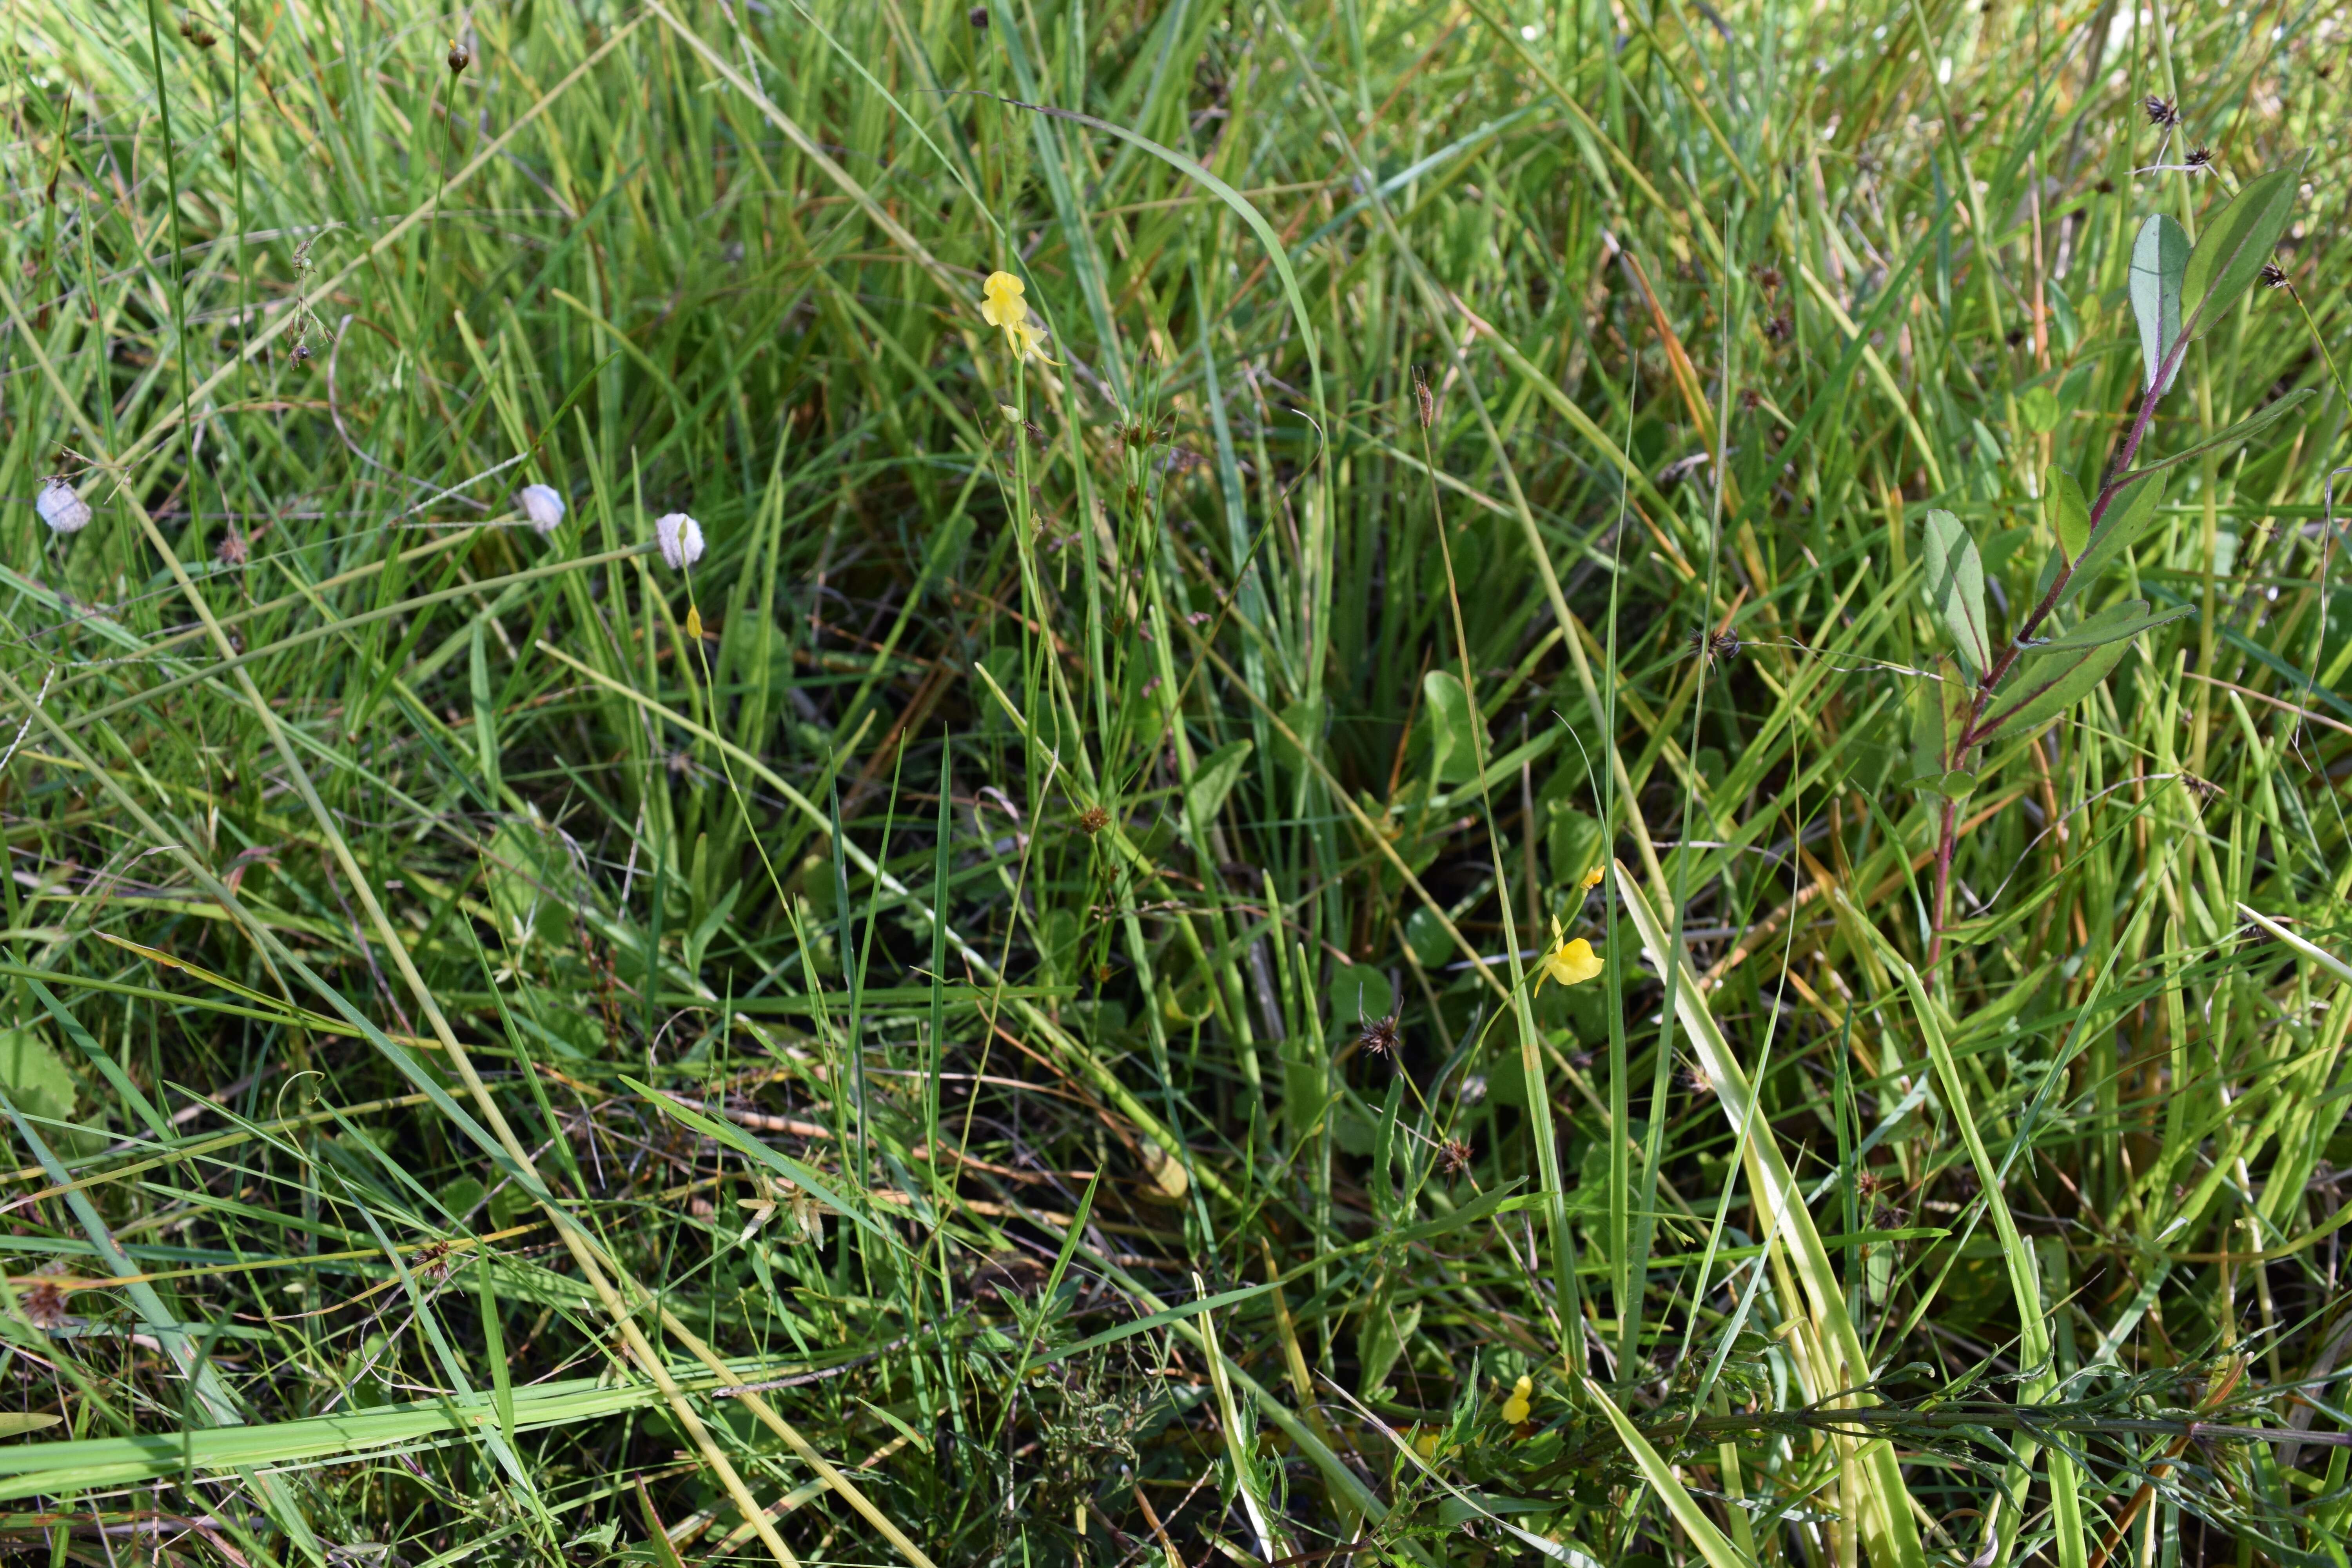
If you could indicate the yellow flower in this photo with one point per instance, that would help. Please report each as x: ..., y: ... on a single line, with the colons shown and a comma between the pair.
x: 1002, y: 306
x: 1569, y: 963
x: 1514, y: 1408
x: 1424, y: 1442
x: 1593, y: 879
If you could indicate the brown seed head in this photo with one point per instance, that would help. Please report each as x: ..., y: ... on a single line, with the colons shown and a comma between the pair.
x: 461, y: 57
x: 45, y: 1306
x: 2199, y: 157
x: 1452, y: 1157
x: 2161, y: 111
x: 2274, y: 275
x: 1093, y: 820
x: 1378, y: 1037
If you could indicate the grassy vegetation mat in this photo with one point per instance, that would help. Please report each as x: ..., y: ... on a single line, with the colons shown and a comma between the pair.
x: 1170, y: 782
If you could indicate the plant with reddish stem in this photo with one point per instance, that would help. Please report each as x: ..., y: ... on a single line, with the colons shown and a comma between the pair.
x: 2177, y: 294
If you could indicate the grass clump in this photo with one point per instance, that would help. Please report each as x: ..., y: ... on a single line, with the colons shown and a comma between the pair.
x: 1359, y: 782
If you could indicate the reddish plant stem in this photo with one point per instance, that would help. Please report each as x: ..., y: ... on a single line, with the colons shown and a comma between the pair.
x: 1944, y: 846
x: 1969, y: 738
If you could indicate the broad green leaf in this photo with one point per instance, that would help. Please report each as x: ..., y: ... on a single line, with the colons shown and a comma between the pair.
x: 1360, y: 992
x: 2160, y: 257
x: 1452, y: 745
x: 1956, y: 585
x: 2116, y: 622
x: 2267, y: 415
x: 2070, y: 514
x: 2044, y: 685
x: 1575, y: 843
x: 1958, y: 785
x: 533, y: 885
x: 2039, y: 407
x: 82, y: 1463
x: 1930, y: 738
x: 37, y: 1081
x: 1213, y: 777
x: 2128, y: 515
x: 2236, y: 243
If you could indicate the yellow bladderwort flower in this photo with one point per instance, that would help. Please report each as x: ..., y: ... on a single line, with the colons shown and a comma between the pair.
x: 1593, y: 879
x: 1514, y: 1408
x: 1001, y: 305
x: 1569, y: 963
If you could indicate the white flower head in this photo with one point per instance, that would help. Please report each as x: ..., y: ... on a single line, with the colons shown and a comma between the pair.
x: 680, y: 538
x: 543, y: 505
x: 61, y: 507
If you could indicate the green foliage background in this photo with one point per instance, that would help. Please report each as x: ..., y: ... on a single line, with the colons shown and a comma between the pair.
x: 1025, y: 953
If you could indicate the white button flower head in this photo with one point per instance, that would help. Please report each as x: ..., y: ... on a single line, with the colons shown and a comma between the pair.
x: 543, y: 505
x: 680, y: 538
x: 62, y: 508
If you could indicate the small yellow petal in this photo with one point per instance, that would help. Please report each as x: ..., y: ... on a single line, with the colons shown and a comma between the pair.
x: 1001, y: 286
x: 1574, y: 962
x: 693, y: 624
x: 1593, y: 879
x: 1514, y: 1411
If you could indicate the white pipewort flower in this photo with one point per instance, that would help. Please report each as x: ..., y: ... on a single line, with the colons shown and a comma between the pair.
x: 62, y: 508
x: 680, y: 538
x: 543, y: 505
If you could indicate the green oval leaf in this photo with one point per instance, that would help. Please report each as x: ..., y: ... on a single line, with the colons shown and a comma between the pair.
x: 2045, y: 684
x: 2127, y: 517
x: 2070, y: 514
x: 1213, y: 777
x: 1453, y: 745
x: 2116, y: 622
x: 2236, y: 243
x: 2160, y: 258
x: 1956, y: 585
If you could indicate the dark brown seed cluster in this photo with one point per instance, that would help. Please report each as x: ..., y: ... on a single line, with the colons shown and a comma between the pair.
x: 1713, y: 646
x: 1093, y: 820
x: 2161, y: 111
x: 2274, y: 275
x: 1452, y: 1157
x: 459, y: 58
x: 1379, y: 1037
